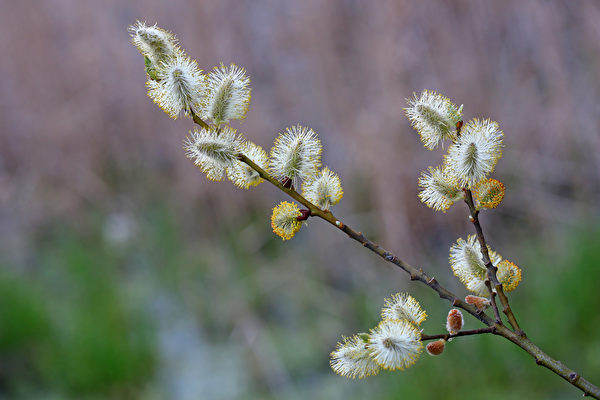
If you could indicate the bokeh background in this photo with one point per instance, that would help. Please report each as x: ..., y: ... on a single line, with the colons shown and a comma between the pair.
x: 126, y: 274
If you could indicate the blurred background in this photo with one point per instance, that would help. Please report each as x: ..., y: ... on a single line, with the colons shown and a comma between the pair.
x: 126, y: 274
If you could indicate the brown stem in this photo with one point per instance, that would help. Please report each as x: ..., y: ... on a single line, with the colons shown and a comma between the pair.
x: 199, y: 120
x: 523, y: 342
x: 493, y: 300
x: 447, y: 336
x: 491, y: 268
x: 415, y: 274
x: 543, y: 359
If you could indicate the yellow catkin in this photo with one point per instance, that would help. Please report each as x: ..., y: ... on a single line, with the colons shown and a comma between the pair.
x: 284, y: 220
x: 489, y: 193
x: 509, y: 274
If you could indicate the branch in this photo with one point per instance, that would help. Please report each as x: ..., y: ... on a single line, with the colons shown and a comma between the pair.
x: 447, y: 336
x: 491, y: 268
x: 415, y: 274
x: 496, y: 328
x: 543, y: 359
x: 493, y: 300
x: 540, y: 357
x: 198, y: 120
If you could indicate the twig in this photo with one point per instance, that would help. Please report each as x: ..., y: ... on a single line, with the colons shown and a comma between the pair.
x: 447, y: 336
x: 491, y: 268
x: 415, y: 273
x: 493, y: 300
x: 198, y: 120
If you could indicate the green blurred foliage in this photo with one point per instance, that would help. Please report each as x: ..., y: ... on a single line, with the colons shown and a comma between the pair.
x: 68, y: 327
x: 79, y: 323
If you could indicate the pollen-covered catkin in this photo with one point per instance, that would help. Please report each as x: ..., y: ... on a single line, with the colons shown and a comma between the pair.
x: 488, y: 193
x: 284, y: 220
x: 509, y: 275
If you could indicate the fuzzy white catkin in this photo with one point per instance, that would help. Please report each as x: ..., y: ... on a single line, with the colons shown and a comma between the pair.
x: 475, y: 153
x: 227, y: 94
x: 439, y: 190
x: 241, y: 174
x: 352, y: 359
x: 180, y: 86
x: 403, y: 306
x: 434, y: 117
x: 395, y: 344
x: 213, y: 152
x: 467, y: 264
x: 296, y: 154
x: 153, y: 42
x: 323, y: 189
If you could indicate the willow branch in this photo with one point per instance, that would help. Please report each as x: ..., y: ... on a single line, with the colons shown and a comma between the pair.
x: 491, y: 268
x: 493, y: 300
x: 417, y: 274
x: 447, y: 336
x: 543, y: 359
x: 198, y: 120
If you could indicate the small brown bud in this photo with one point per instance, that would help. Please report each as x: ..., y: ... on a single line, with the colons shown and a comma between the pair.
x: 287, y: 183
x: 436, y: 348
x: 480, y: 302
x: 304, y: 215
x: 454, y: 321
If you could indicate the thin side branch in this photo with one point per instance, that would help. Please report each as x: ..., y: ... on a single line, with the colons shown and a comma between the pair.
x: 493, y: 300
x: 198, y: 120
x: 491, y: 268
x: 415, y: 273
x: 447, y: 336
